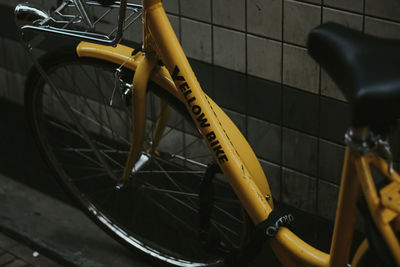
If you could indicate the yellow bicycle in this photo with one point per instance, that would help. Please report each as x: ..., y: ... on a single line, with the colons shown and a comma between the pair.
x: 161, y: 168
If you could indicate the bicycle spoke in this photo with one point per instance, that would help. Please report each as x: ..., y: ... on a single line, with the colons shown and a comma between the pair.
x: 112, y: 160
x: 67, y: 165
x: 174, y: 216
x: 89, y: 177
x: 217, y: 226
x: 186, y: 147
x: 98, y: 86
x: 100, y: 125
x: 95, y: 122
x: 88, y: 105
x: 167, y: 175
x: 69, y: 129
x: 228, y: 214
x: 100, y: 191
x: 173, y: 172
x: 189, y: 160
x: 172, y: 192
x: 111, y: 151
x: 162, y: 192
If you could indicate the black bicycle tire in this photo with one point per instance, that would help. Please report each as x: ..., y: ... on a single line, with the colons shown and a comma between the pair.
x: 34, y: 80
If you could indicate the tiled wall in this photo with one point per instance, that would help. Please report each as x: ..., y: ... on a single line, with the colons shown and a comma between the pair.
x: 250, y: 57
x: 292, y: 113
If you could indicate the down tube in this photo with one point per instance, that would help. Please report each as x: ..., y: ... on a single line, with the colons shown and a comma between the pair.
x: 255, y: 204
x: 200, y: 108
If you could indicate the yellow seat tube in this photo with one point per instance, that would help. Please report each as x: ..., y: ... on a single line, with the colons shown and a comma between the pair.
x: 346, y: 211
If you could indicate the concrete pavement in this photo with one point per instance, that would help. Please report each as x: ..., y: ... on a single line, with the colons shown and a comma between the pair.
x: 61, y: 231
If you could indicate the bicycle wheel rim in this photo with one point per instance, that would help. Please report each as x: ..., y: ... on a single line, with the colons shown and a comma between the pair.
x: 149, y: 245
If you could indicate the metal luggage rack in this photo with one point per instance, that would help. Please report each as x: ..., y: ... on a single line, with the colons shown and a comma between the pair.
x: 93, y: 21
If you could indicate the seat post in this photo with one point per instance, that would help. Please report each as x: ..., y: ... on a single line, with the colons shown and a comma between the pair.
x: 364, y: 140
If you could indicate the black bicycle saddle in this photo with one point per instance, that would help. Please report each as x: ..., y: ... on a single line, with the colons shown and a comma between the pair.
x: 366, y: 69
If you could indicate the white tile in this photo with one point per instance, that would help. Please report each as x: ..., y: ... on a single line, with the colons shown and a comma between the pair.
x: 229, y: 49
x: 196, y: 40
x: 264, y: 58
x: 299, y: 69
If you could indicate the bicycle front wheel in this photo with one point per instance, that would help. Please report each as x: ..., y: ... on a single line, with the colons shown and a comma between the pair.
x: 82, y: 123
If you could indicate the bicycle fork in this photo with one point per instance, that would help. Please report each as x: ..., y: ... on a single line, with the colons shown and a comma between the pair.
x: 138, y: 103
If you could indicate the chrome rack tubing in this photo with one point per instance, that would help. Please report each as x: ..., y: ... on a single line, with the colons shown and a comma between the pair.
x: 90, y: 37
x: 116, y: 4
x: 81, y: 7
x: 71, y: 34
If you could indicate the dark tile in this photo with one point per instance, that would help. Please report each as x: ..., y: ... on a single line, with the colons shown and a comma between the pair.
x: 204, y: 74
x: 299, y: 190
x: 327, y: 199
x: 300, y: 110
x: 334, y: 119
x: 273, y: 173
x: 299, y: 151
x: 230, y: 89
x: 265, y: 139
x: 264, y: 99
x: 330, y: 161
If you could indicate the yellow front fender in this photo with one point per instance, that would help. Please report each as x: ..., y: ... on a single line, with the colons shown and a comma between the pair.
x: 122, y: 55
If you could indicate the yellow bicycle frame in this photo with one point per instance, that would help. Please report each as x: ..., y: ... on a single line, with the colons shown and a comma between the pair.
x: 232, y: 152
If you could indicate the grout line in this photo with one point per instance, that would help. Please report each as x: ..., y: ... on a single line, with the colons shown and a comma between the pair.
x: 212, y: 48
x: 363, y: 17
x: 282, y: 102
x: 318, y: 125
x: 274, y: 39
x: 180, y: 21
x: 246, y: 108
